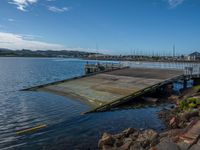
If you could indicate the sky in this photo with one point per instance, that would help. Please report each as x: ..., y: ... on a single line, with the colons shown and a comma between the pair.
x: 105, y: 26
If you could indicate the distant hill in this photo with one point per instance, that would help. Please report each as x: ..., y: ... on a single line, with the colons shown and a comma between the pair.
x: 41, y: 53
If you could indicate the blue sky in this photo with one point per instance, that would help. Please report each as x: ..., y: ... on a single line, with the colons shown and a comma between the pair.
x: 107, y: 26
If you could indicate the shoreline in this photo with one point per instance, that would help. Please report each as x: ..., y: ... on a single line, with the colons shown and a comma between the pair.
x: 178, y: 134
x: 143, y: 60
x: 96, y: 59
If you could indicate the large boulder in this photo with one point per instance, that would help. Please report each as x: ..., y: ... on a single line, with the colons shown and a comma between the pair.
x: 134, y: 135
x: 107, y: 147
x: 136, y: 146
x: 127, y: 144
x: 174, y: 122
x: 198, y: 142
x: 107, y: 140
x: 188, y: 115
x: 118, y: 142
x: 173, y: 98
x: 128, y: 131
x: 118, y: 136
x: 152, y: 135
x: 148, y: 138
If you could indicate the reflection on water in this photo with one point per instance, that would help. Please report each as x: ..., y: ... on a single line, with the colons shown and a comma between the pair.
x: 66, y: 127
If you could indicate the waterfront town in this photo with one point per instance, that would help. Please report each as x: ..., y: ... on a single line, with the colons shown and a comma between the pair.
x: 192, y: 57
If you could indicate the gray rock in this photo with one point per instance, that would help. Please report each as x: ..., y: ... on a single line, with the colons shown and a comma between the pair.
x: 183, y: 145
x: 126, y: 140
x: 118, y: 136
x: 148, y: 138
x: 167, y: 145
x: 128, y: 131
x: 148, y: 135
x: 175, y: 132
x: 194, y: 118
x: 106, y: 139
x: 151, y: 134
x: 164, y: 134
x: 107, y: 147
x: 118, y: 143
x: 141, y: 138
x: 195, y: 147
x: 187, y: 115
x: 198, y: 142
x: 126, y: 145
x: 134, y: 135
x: 136, y: 146
x: 174, y: 122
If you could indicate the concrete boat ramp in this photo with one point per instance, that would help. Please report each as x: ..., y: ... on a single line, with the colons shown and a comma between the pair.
x: 105, y: 90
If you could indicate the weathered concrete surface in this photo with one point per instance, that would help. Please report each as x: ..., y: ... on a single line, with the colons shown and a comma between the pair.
x: 106, y: 87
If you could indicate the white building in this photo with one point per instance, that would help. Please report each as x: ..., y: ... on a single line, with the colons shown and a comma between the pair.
x: 195, y: 56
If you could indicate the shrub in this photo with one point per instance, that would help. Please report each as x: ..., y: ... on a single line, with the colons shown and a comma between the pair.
x: 191, y: 100
x: 189, y: 103
x: 183, y: 104
x: 192, y: 105
x: 198, y: 101
x: 197, y: 88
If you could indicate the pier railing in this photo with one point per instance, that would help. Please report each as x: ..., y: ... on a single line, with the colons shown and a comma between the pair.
x: 189, y: 69
x: 99, y: 67
x: 192, y: 71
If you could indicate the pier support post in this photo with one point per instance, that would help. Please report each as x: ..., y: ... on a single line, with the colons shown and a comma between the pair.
x: 196, y: 81
x: 166, y: 89
x: 184, y: 83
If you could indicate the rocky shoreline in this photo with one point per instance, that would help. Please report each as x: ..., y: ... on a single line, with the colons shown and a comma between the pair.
x: 182, y: 128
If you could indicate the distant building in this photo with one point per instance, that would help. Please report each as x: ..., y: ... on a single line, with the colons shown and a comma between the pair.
x: 195, y: 56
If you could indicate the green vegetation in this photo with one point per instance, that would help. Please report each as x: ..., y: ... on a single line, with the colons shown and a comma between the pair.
x: 42, y: 53
x: 189, y: 103
x: 197, y: 88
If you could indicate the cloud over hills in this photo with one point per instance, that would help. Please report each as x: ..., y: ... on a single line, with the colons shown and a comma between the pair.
x: 15, y: 41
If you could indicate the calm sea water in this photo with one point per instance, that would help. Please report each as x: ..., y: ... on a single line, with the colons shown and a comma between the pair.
x: 66, y: 127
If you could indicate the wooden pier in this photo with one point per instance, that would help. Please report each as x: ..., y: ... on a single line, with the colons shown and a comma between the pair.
x: 108, y: 89
x: 95, y: 68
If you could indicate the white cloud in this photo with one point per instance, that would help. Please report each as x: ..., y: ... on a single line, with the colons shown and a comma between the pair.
x: 30, y: 36
x: 11, y: 20
x: 15, y: 41
x: 22, y: 4
x: 174, y: 3
x: 57, y: 9
x: 26, y: 41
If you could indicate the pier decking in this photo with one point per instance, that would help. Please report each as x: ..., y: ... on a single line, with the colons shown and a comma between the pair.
x: 103, y: 90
